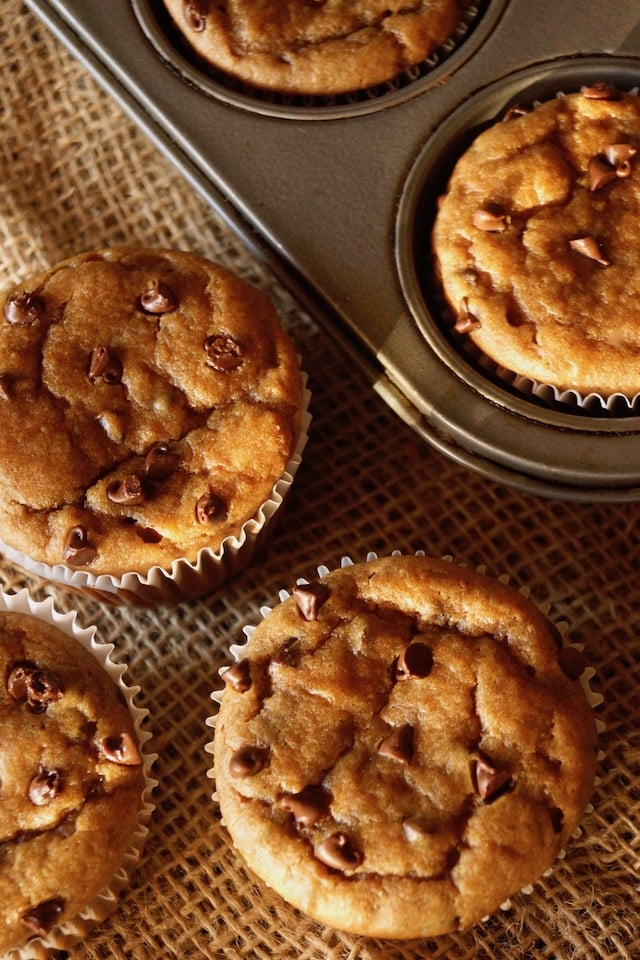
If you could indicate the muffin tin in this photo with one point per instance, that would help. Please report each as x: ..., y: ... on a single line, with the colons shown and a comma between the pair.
x: 336, y: 196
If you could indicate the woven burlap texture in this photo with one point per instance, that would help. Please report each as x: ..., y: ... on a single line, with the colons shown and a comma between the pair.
x: 77, y: 174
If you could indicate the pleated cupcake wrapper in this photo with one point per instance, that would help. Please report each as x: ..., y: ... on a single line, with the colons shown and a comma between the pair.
x: 183, y: 580
x: 70, y: 932
x: 593, y: 404
x: 594, y: 699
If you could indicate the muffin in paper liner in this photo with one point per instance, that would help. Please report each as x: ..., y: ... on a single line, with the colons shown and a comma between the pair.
x: 531, y: 250
x: 315, y: 56
x: 63, y: 935
x: 153, y: 414
x: 183, y: 580
x: 304, y: 819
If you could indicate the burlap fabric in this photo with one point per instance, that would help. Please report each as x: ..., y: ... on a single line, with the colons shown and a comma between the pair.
x: 76, y: 174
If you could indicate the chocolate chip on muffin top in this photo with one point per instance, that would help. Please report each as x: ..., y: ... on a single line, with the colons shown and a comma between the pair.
x: 151, y: 401
x: 400, y: 761
x: 71, y: 778
x: 319, y: 47
x: 534, y: 242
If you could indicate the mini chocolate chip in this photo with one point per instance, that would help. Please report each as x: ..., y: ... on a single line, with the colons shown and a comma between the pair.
x: 465, y: 320
x: 557, y: 819
x: 399, y: 744
x: 28, y: 683
x: 288, y: 654
x: 338, y: 851
x: 45, y: 786
x: 415, y: 661
x: 238, y: 676
x: 44, y: 916
x: 23, y: 308
x: 619, y: 156
x: 159, y: 298
x: 614, y: 163
x: 589, y: 247
x: 160, y: 462
x: 121, y: 748
x: 309, y: 598
x: 77, y: 550
x: 308, y: 806
x: 129, y: 490
x: 247, y: 761
x: 416, y: 829
x: 492, y: 218
x: 571, y: 662
x: 104, y: 365
x: 210, y: 508
x: 195, y: 14
x: 489, y: 782
x: 112, y: 425
x: 148, y: 534
x: 600, y: 172
x: 223, y: 353
x: 600, y: 91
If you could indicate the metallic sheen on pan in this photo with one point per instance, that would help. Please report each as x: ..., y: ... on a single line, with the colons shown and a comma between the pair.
x: 333, y: 207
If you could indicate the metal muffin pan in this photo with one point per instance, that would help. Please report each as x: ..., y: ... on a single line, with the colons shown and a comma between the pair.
x: 335, y: 197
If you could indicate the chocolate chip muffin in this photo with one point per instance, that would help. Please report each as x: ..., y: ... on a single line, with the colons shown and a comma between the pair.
x: 535, y: 242
x: 401, y: 745
x: 150, y: 401
x: 71, y: 778
x: 318, y: 47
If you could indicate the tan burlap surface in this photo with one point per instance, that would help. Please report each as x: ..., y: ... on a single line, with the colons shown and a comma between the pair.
x: 77, y: 174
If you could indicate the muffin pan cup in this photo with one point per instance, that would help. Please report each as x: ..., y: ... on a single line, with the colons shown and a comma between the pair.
x: 332, y: 197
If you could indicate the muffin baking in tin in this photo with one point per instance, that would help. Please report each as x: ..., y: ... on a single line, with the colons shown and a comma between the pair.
x: 357, y: 58
x: 564, y: 434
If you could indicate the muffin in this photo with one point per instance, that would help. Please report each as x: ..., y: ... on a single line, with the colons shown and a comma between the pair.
x: 535, y: 242
x: 150, y: 418
x: 317, y: 47
x: 72, y: 780
x: 401, y: 745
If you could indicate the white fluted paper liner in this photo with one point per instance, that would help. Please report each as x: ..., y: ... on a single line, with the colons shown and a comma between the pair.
x: 593, y: 404
x: 183, y: 580
x: 66, y: 934
x: 237, y: 651
x: 572, y: 400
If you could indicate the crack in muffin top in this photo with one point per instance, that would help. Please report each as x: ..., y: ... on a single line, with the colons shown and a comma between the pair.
x: 534, y: 242
x: 150, y: 400
x: 317, y: 47
x: 71, y: 778
x: 402, y: 754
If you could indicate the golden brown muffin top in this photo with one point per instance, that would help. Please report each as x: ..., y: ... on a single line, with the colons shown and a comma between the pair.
x: 536, y: 242
x: 315, y: 46
x: 71, y: 778
x: 403, y: 745
x: 150, y: 400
